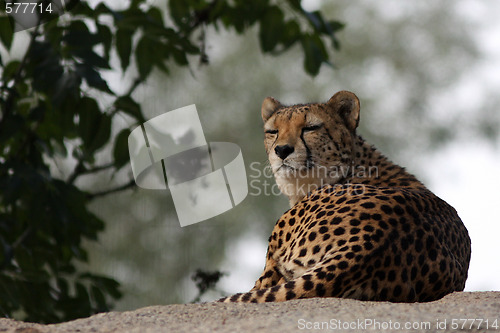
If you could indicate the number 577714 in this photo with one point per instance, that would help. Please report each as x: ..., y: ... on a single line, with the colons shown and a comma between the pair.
x: 27, y: 7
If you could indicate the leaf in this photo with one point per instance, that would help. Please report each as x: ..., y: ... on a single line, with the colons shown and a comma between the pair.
x: 145, y: 56
x: 271, y: 29
x: 101, y: 9
x: 120, y: 152
x: 111, y: 286
x: 335, y: 26
x: 94, y: 127
x: 124, y: 46
x: 93, y: 78
x: 78, y: 35
x: 314, y: 55
x: 136, y: 3
x: 63, y: 286
x: 130, y: 107
x: 68, y: 84
x: 55, y: 35
x: 179, y: 11
x: 131, y: 19
x: 6, y: 31
x: 291, y: 34
x: 82, y: 295
x: 315, y: 19
x: 180, y: 57
x: 99, y: 299
x: 47, y: 65
x: 13, y: 125
x: 11, y: 69
x: 154, y: 14
x: 90, y: 58
x: 296, y: 5
x: 104, y: 283
x: 106, y: 38
x: 188, y: 47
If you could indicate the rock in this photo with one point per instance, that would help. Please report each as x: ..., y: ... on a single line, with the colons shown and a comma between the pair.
x: 471, y: 311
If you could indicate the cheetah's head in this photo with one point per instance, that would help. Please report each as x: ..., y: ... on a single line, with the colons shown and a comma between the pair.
x: 310, y: 145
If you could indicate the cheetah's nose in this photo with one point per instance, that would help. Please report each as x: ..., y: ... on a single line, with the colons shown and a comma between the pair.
x: 283, y: 151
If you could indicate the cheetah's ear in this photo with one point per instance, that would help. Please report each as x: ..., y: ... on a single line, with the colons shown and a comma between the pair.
x: 346, y: 104
x: 269, y: 106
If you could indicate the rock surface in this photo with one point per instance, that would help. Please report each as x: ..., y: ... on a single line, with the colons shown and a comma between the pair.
x: 318, y: 314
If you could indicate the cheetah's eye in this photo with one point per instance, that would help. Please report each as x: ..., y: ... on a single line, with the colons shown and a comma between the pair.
x: 271, y: 131
x: 311, y: 128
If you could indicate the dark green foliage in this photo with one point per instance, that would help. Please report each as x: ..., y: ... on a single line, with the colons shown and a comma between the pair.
x: 205, y: 281
x: 49, y: 111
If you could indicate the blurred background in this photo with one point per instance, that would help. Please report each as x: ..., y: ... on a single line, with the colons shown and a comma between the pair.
x: 427, y: 74
x: 428, y: 77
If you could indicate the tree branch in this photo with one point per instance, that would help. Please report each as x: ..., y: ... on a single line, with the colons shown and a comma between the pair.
x: 202, y: 16
x: 134, y: 85
x: 80, y: 170
x: 76, y: 172
x: 130, y: 184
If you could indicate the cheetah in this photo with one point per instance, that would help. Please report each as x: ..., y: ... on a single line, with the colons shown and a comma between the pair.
x: 359, y: 226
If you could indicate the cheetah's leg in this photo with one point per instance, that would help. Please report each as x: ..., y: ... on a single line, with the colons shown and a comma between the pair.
x: 270, y: 277
x: 326, y: 279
